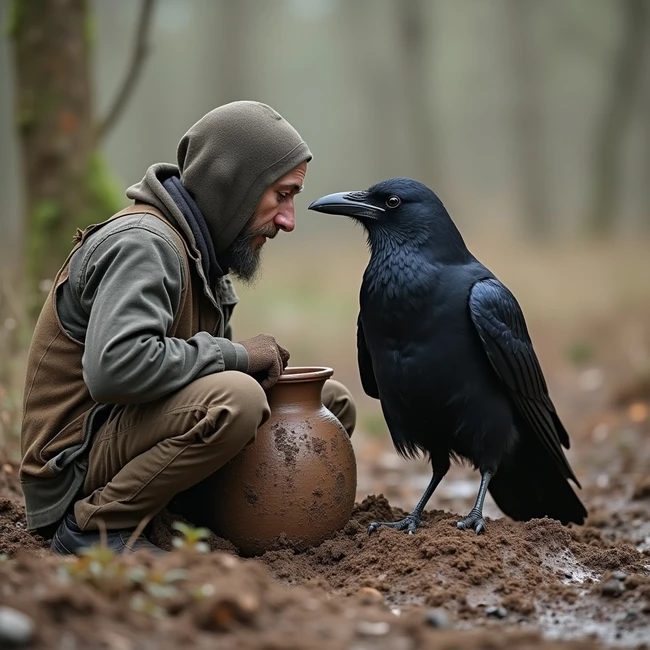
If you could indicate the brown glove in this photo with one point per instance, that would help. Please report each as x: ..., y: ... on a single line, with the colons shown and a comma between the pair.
x: 266, y: 359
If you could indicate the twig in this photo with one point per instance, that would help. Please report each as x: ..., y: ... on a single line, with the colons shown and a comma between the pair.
x: 136, y: 533
x: 140, y: 51
x: 103, y: 535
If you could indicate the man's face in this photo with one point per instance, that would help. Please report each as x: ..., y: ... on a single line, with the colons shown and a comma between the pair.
x: 274, y: 212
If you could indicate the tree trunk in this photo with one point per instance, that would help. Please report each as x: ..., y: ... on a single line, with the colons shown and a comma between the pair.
x: 368, y: 67
x: 232, y: 48
x: 417, y: 75
x: 625, y: 86
x: 66, y: 183
x: 645, y: 199
x: 527, y: 123
x: 644, y: 110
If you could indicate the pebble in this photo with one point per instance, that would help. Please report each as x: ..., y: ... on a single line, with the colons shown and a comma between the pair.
x: 496, y: 612
x: 16, y: 628
x: 619, y: 575
x: 368, y: 628
x: 612, y: 587
x: 438, y: 618
x: 229, y: 561
x: 370, y: 594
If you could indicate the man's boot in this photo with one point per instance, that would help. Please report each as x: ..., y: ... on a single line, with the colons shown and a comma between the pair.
x: 69, y: 539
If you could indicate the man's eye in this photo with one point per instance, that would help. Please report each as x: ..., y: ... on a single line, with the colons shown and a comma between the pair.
x: 282, y: 196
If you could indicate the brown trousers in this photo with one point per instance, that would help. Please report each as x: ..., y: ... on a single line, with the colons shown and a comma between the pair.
x: 145, y: 454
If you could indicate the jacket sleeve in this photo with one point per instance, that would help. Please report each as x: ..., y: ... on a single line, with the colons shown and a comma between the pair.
x: 130, y: 286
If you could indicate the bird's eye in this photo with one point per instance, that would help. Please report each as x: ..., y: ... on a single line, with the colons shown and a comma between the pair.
x: 393, y: 201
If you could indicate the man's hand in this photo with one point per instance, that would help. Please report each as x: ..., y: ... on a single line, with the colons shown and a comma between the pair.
x: 266, y: 359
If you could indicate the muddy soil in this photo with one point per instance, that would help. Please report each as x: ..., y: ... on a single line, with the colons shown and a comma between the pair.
x: 520, y: 585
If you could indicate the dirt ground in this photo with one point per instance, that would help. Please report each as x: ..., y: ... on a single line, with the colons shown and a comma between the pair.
x: 520, y: 585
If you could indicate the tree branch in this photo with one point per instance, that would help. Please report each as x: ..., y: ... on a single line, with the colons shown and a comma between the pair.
x: 140, y: 51
x: 625, y: 88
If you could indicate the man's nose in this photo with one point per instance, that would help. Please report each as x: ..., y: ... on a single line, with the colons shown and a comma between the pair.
x: 285, y: 219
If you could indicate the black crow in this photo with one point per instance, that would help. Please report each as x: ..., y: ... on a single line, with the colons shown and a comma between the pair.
x: 444, y: 346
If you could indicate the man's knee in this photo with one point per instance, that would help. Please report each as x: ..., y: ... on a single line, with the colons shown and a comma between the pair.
x: 236, y: 407
x: 338, y: 399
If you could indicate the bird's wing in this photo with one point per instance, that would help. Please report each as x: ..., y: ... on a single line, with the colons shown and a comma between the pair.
x: 366, y: 372
x: 500, y: 324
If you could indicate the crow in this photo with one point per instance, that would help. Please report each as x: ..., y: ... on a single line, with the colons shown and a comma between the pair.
x: 443, y: 345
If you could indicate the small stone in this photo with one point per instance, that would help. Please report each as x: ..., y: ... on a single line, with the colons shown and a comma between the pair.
x: 496, y: 612
x: 612, y: 587
x: 568, y: 574
x: 16, y: 628
x: 228, y: 561
x: 371, y: 595
x: 438, y: 618
x: 223, y: 612
x: 630, y: 616
x: 248, y: 605
x: 205, y: 591
x: 368, y: 628
x: 619, y: 575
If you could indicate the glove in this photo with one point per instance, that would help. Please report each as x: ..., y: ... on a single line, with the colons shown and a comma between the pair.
x: 266, y: 359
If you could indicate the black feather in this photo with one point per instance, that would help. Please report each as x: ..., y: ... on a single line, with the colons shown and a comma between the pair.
x: 444, y: 346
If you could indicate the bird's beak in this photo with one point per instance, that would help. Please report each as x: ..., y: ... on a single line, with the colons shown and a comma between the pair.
x: 348, y: 204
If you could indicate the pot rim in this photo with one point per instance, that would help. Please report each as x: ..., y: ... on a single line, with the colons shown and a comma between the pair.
x: 304, y: 373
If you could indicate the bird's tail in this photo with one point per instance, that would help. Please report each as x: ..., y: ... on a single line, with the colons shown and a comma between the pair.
x: 531, y: 486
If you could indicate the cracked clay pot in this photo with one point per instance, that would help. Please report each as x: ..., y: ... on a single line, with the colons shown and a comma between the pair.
x: 296, y: 482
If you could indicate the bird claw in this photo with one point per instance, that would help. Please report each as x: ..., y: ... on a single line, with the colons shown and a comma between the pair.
x: 473, y: 520
x: 410, y: 523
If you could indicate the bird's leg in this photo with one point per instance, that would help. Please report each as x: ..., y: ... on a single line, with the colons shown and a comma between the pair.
x: 412, y: 521
x: 475, y: 517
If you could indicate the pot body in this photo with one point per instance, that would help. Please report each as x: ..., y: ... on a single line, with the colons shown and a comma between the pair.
x: 296, y: 481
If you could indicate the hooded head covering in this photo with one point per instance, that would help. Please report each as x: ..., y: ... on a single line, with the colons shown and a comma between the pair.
x: 226, y: 161
x: 230, y: 157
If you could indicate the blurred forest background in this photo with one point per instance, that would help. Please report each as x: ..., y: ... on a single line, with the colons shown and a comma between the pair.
x: 530, y: 119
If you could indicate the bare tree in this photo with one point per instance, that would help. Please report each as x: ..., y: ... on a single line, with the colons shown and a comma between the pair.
x: 236, y: 18
x: 66, y: 183
x: 138, y: 56
x: 523, y: 61
x: 625, y: 85
x: 367, y: 72
x: 412, y: 20
x: 644, y: 110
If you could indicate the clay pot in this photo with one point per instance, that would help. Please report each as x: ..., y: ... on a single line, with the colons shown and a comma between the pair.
x: 297, y: 481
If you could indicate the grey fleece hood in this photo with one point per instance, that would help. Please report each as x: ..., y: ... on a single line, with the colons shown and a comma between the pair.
x: 226, y: 161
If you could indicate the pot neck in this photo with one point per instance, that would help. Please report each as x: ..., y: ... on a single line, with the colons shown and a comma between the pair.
x: 298, y: 394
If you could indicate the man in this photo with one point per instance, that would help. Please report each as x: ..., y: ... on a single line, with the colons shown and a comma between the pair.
x: 135, y: 390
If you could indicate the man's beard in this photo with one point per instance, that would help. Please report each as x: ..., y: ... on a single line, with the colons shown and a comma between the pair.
x: 243, y: 259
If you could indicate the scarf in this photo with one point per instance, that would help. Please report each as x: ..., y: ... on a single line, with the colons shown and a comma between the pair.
x: 197, y: 224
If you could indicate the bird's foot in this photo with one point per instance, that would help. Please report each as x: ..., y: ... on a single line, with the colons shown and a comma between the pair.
x: 410, y: 523
x: 473, y: 520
